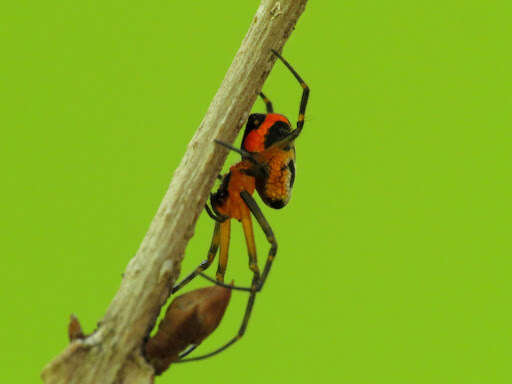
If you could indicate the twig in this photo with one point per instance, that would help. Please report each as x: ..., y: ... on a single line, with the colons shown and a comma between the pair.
x: 112, y: 353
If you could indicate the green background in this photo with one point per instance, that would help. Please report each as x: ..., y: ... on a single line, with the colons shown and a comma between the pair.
x: 394, y: 262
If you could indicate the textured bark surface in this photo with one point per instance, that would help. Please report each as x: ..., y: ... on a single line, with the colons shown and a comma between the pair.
x: 112, y: 354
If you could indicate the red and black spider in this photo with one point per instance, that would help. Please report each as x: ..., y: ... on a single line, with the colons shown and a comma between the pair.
x: 268, y: 166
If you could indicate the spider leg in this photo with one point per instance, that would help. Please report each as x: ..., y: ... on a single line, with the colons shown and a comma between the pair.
x: 204, y: 264
x: 267, y: 102
x: 225, y: 231
x: 220, y: 284
x: 251, y: 246
x: 245, y: 155
x: 188, y: 351
x: 265, y: 226
x: 251, y: 250
x: 305, y: 95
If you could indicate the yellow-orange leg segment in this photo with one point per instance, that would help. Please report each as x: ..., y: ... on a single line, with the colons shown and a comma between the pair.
x: 265, y: 226
x: 251, y: 246
x: 225, y: 231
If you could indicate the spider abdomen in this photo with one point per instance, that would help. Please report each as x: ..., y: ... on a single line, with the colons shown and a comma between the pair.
x: 275, y: 189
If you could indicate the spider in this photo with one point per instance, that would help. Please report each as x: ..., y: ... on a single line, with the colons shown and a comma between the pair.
x: 267, y: 166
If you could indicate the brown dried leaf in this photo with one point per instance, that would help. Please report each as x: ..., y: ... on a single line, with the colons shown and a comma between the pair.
x: 189, y: 319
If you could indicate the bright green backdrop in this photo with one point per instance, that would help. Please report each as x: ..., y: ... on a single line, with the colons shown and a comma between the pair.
x: 395, y: 253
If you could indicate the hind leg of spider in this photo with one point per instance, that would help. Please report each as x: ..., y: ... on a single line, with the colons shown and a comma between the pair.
x: 251, y: 250
x: 206, y: 263
x: 249, y: 237
x: 265, y: 226
x: 241, y: 330
x: 267, y: 102
x: 256, y: 284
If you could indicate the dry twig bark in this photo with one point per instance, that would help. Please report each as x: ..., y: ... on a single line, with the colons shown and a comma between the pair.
x: 112, y: 354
